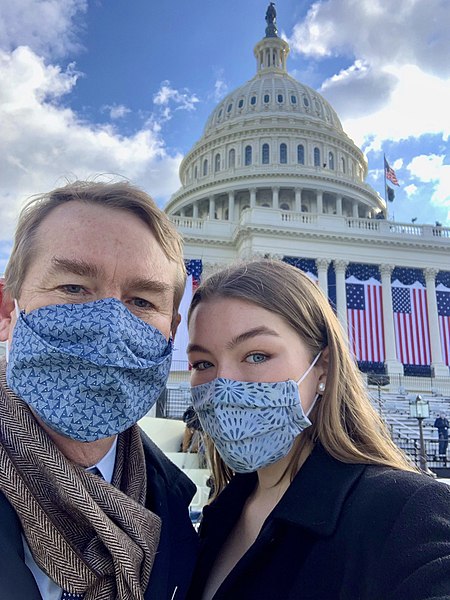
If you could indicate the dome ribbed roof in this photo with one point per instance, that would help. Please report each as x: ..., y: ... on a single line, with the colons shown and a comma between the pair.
x: 272, y: 94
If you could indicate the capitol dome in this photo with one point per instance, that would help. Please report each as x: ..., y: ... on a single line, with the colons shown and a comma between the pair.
x: 276, y: 129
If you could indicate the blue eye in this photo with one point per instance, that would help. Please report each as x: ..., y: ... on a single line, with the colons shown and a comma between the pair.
x: 256, y: 357
x: 201, y: 365
x: 73, y: 288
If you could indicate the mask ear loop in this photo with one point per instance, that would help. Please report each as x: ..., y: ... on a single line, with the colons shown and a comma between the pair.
x: 308, y: 370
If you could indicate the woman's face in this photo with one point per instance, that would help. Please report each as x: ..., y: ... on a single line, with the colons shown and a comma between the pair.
x: 242, y: 341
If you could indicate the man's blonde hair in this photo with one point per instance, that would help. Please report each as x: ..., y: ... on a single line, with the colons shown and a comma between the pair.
x: 120, y: 195
x: 343, y: 421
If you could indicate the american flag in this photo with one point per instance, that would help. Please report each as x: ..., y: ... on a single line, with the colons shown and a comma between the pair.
x: 365, y: 313
x: 194, y: 267
x: 412, y: 334
x: 443, y: 304
x: 307, y: 265
x: 390, y: 173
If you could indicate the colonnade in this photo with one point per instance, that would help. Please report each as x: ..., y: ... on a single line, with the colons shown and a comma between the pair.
x: 232, y: 203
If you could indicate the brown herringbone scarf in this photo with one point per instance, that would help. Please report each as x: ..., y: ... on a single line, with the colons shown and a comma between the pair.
x: 88, y: 536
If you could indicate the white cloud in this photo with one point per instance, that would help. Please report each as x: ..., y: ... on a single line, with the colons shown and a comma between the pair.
x: 167, y: 97
x: 220, y: 86
x: 398, y: 84
x: 48, y: 27
x: 42, y: 142
x: 431, y: 169
x: 116, y: 111
x: 410, y: 190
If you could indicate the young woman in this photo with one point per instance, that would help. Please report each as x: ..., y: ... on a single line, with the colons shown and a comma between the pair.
x: 312, y: 498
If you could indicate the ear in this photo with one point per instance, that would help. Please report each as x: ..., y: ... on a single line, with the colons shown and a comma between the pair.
x: 176, y: 319
x: 322, y: 366
x: 6, y: 308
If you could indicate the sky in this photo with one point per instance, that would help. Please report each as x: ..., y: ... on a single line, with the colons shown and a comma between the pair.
x: 123, y: 89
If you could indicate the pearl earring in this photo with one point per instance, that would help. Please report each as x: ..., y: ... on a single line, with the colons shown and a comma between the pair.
x: 321, y: 387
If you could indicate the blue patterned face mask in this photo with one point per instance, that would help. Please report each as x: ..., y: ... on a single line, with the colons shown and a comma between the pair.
x: 87, y: 370
x: 252, y: 424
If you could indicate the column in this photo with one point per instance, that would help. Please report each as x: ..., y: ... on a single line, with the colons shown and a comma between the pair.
x: 275, y: 200
x: 339, y: 205
x: 212, y: 208
x: 195, y: 210
x: 322, y: 269
x: 341, y: 294
x: 231, y: 206
x: 319, y: 201
x: 393, y: 365
x: 355, y: 209
x: 438, y: 368
x: 298, y: 199
x: 252, y: 197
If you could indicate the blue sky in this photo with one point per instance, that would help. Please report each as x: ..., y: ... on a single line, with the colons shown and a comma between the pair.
x: 124, y: 88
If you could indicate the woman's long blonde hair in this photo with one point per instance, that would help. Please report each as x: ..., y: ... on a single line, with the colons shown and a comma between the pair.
x: 343, y: 421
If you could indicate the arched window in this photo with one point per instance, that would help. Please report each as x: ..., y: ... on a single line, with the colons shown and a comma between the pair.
x: 265, y: 205
x: 253, y: 100
x: 330, y: 160
x: 205, y: 167
x: 241, y: 103
x: 231, y: 158
x: 301, y: 154
x: 280, y: 98
x: 265, y: 154
x: 284, y: 206
x: 266, y: 98
x: 248, y: 155
x: 316, y: 157
x: 343, y: 164
x: 283, y: 153
x: 217, y: 163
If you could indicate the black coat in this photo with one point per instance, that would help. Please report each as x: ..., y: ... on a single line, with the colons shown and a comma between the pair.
x: 169, y: 493
x: 340, y: 532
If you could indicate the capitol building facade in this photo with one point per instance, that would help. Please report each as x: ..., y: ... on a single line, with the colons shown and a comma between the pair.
x: 275, y: 175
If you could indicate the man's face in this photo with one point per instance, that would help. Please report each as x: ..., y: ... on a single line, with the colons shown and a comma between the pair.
x: 86, y: 252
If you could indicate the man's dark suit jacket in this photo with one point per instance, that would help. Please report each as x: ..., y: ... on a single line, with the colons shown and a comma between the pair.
x: 340, y: 532
x: 169, y: 493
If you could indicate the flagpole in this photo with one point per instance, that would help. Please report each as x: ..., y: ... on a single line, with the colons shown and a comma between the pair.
x: 385, y: 187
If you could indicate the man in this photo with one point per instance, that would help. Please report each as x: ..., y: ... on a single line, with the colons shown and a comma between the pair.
x: 442, y: 426
x: 89, y: 507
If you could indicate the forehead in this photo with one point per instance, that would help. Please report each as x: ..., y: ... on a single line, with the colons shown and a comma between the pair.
x: 112, y: 239
x: 233, y: 316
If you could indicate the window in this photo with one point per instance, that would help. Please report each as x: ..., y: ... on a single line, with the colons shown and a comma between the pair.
x: 248, y: 155
x: 280, y: 98
x: 205, y: 167
x: 301, y: 154
x: 266, y: 98
x: 253, y: 100
x: 241, y: 103
x: 294, y: 99
x: 283, y: 153
x: 217, y: 163
x: 231, y: 158
x: 229, y: 107
x: 330, y: 160
x: 195, y: 172
x: 284, y: 206
x: 219, y: 116
x: 305, y: 101
x: 316, y: 157
x: 343, y: 164
x: 265, y: 154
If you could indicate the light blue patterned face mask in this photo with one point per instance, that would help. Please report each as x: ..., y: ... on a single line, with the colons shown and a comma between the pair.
x: 87, y: 370
x: 252, y: 424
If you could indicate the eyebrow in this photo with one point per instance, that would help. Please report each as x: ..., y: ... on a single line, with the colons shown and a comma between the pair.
x: 86, y: 269
x: 239, y: 339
